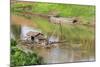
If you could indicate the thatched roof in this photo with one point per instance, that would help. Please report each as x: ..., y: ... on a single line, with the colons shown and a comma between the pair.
x: 31, y: 33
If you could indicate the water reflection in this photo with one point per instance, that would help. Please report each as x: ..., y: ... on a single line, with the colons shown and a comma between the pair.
x: 25, y: 30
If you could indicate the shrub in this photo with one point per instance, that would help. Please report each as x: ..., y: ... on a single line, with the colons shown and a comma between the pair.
x: 19, y: 58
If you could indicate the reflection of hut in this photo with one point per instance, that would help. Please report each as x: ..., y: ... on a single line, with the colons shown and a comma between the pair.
x: 36, y: 37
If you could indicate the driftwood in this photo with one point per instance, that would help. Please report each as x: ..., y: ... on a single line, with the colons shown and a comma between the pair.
x: 64, y: 20
x: 58, y: 42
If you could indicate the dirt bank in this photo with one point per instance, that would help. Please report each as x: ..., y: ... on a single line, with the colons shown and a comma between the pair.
x: 22, y: 21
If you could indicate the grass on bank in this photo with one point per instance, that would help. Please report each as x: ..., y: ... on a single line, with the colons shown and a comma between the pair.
x: 20, y: 58
x: 71, y: 33
x: 66, y: 10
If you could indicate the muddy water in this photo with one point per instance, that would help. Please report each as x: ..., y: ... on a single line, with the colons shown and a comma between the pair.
x: 61, y: 53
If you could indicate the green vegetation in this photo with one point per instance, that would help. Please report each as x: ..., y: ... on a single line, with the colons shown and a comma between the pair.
x: 16, y: 30
x: 74, y: 34
x: 19, y: 58
x: 66, y: 10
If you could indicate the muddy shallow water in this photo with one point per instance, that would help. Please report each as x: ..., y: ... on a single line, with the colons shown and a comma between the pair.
x: 61, y: 53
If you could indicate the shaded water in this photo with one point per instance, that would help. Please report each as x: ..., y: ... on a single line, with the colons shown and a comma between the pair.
x: 59, y: 54
x: 62, y: 54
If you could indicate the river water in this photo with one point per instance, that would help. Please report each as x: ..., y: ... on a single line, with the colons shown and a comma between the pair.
x: 62, y: 53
